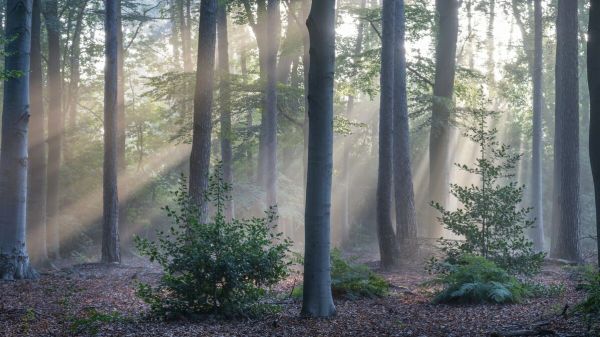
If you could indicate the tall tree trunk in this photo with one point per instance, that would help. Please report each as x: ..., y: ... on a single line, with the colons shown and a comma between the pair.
x: 289, y: 47
x: 175, y: 30
x: 536, y: 159
x: 388, y: 245
x: 317, y: 298
x: 203, y: 97
x: 225, y: 102
x: 348, y: 141
x: 74, y: 76
x: 443, y: 105
x: 121, y: 123
x: 305, y: 9
x: 565, y: 244
x: 13, y: 151
x: 36, y: 195
x: 110, y: 225
x: 249, y: 133
x: 55, y: 127
x: 491, y: 66
x: 406, y: 220
x: 186, y: 41
x: 470, y: 35
x: 270, y: 128
x: 593, y: 62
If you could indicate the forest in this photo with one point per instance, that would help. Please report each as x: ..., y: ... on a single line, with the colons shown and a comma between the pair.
x: 300, y: 168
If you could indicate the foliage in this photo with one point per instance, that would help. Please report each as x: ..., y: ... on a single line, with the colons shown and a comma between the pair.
x: 590, y: 307
x: 92, y: 320
x: 220, y: 267
x: 352, y: 280
x: 474, y: 279
x: 490, y: 221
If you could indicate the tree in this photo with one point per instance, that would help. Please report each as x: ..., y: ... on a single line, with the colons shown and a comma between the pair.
x: 317, y: 298
x: 593, y: 73
x: 388, y: 245
x: 55, y: 126
x: 443, y: 91
x: 36, y: 194
x: 14, y: 261
x: 269, y: 125
x: 565, y: 242
x: 225, y: 102
x: 203, y: 98
x: 537, y: 148
x: 406, y: 220
x: 110, y: 225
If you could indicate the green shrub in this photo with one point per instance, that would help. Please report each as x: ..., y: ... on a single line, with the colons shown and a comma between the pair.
x: 352, y: 280
x: 590, y: 307
x: 221, y: 267
x: 475, y: 279
x: 490, y: 221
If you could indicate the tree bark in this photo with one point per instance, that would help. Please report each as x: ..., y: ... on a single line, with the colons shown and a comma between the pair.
x: 443, y: 105
x: 203, y: 98
x: 270, y: 127
x: 36, y: 194
x: 74, y: 76
x: 593, y: 73
x: 537, y: 148
x: 55, y: 127
x: 388, y: 245
x: 225, y: 102
x: 14, y: 261
x: 565, y: 245
x: 317, y: 298
x: 186, y: 41
x: 110, y: 225
x: 406, y: 220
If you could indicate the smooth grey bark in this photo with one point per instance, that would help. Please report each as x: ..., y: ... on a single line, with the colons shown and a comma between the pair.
x: 389, y: 250
x: 121, y: 122
x: 536, y: 158
x: 225, y: 102
x: 110, y: 220
x: 565, y: 243
x: 203, y: 99
x: 270, y: 126
x: 14, y: 261
x: 305, y: 9
x: 443, y: 106
x: 348, y: 140
x: 317, y: 298
x: 55, y: 127
x: 406, y: 220
x: 36, y: 194
x: 593, y: 73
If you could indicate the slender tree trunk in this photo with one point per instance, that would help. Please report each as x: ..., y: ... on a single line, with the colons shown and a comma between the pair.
x: 536, y: 160
x: 121, y: 123
x: 203, y: 97
x: 289, y: 48
x: 13, y: 152
x: 55, y: 127
x: 305, y: 8
x: 110, y: 226
x: 406, y: 220
x: 491, y: 66
x: 225, y: 102
x: 174, y: 38
x: 566, y: 146
x: 36, y: 195
x: 249, y: 126
x: 274, y: 25
x: 186, y: 41
x: 470, y: 35
x: 593, y: 70
x: 317, y: 298
x: 388, y: 245
x: 443, y: 105
x: 348, y: 141
x: 74, y: 76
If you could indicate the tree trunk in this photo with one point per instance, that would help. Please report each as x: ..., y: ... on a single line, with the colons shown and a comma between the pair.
x: 36, y: 195
x: 289, y: 48
x: 388, y: 245
x: 186, y: 41
x: 406, y: 220
x: 305, y: 8
x: 225, y: 102
x: 565, y: 245
x: 14, y: 261
x: 174, y: 38
x: 270, y: 137
x: 317, y: 298
x: 203, y: 98
x: 249, y: 133
x: 349, y: 140
x: 491, y: 66
x: 74, y: 76
x: 443, y: 105
x: 537, y: 148
x: 593, y: 62
x: 55, y: 127
x: 121, y: 123
x: 110, y: 225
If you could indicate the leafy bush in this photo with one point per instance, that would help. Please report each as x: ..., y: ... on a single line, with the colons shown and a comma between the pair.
x: 490, y: 221
x: 352, y: 280
x: 221, y: 267
x: 475, y: 279
x: 590, y: 307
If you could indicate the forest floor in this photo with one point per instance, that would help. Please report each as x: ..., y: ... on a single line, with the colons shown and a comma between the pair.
x: 100, y: 300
